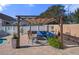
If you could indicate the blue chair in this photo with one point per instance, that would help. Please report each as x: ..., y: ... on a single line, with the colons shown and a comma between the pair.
x: 49, y: 34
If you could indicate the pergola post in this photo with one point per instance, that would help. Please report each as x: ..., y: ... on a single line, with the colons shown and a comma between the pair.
x: 38, y: 28
x: 30, y: 27
x: 61, y: 31
x: 18, y: 32
x: 48, y: 28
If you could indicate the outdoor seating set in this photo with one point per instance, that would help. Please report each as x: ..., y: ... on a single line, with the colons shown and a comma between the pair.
x: 39, y: 37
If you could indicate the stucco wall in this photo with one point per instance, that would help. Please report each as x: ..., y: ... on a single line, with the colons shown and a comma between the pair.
x: 72, y: 29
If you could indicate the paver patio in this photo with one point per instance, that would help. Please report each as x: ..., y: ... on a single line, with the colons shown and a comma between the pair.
x: 34, y: 50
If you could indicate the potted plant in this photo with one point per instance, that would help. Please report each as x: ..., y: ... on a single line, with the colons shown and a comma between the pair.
x: 15, y: 37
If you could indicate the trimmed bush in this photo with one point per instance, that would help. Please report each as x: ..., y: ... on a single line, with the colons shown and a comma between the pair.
x: 54, y: 42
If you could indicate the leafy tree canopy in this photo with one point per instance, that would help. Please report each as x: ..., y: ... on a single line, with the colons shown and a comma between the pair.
x: 53, y: 11
x: 76, y: 15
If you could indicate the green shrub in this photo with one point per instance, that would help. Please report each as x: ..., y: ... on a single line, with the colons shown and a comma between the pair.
x: 54, y: 42
x: 15, y: 36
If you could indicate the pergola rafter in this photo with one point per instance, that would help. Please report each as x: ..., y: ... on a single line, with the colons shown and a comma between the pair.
x: 40, y: 21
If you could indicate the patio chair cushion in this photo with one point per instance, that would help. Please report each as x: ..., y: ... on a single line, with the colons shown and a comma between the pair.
x: 45, y: 34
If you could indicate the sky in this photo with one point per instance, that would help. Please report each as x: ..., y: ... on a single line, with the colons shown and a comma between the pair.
x: 23, y: 9
x: 30, y: 9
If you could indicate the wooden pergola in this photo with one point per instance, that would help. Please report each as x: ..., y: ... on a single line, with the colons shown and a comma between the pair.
x: 37, y: 21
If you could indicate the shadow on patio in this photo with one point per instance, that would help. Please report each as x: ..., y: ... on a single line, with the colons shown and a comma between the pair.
x: 71, y: 41
x: 28, y: 46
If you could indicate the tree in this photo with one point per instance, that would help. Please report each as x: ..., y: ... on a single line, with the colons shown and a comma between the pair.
x: 69, y: 18
x: 53, y: 11
x: 76, y: 15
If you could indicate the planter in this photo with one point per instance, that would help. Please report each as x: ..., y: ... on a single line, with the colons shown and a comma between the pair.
x: 14, y: 43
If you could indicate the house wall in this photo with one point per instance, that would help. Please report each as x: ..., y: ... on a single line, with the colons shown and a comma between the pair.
x: 0, y: 24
